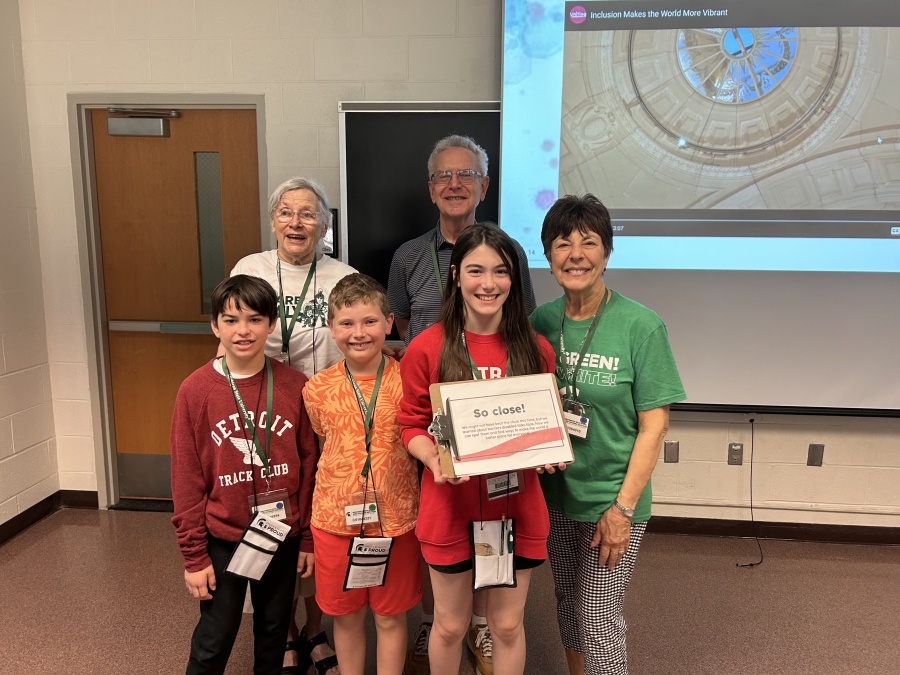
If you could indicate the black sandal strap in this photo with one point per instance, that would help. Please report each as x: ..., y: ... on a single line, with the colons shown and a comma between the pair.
x: 325, y: 664
x: 316, y: 640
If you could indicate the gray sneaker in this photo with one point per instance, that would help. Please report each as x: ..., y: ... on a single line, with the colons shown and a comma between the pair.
x: 417, y: 657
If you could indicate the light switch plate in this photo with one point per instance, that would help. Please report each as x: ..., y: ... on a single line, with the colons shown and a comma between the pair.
x: 816, y: 452
x: 735, y: 454
x: 670, y: 452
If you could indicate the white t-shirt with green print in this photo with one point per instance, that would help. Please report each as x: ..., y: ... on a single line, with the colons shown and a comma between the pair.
x: 311, y: 347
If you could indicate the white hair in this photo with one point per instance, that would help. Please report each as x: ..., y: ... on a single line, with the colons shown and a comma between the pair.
x: 323, y: 210
x: 456, y: 141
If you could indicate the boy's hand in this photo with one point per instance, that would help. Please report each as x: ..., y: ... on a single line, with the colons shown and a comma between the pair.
x: 305, y: 564
x: 200, y: 583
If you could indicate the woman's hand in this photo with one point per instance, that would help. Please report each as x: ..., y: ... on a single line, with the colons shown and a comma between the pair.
x: 612, y: 536
x: 551, y: 468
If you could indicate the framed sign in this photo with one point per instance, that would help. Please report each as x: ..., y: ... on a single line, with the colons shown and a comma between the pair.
x: 492, y: 426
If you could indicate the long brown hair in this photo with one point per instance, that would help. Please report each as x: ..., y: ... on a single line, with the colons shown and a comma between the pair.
x: 521, y: 345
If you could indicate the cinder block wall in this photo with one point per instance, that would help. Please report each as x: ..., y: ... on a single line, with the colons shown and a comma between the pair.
x: 27, y: 450
x: 304, y: 56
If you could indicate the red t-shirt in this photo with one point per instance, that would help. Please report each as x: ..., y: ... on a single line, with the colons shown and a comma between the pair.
x: 214, y: 468
x: 445, y: 511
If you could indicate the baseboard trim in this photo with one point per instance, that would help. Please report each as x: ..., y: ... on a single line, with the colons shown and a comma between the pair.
x: 61, y: 499
x: 710, y: 527
x: 713, y: 527
x: 77, y: 499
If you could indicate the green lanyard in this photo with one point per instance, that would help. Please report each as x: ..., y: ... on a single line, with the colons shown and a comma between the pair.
x: 475, y: 371
x: 249, y: 420
x: 368, y: 411
x: 563, y: 370
x: 437, y: 270
x: 288, y: 330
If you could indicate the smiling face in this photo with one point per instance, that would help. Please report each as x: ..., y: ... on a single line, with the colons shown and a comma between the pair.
x: 297, y: 235
x: 484, y: 282
x: 454, y: 200
x: 359, y: 331
x: 242, y: 332
x: 578, y: 260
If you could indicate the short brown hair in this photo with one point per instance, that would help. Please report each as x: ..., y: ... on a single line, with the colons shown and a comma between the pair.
x: 245, y: 291
x: 585, y: 214
x: 355, y: 288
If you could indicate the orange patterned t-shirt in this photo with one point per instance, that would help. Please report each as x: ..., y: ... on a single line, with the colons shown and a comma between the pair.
x: 335, y: 414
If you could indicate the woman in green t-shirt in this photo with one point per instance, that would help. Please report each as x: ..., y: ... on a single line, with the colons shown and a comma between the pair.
x: 617, y: 377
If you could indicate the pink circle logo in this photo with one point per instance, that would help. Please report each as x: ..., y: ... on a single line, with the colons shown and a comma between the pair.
x: 578, y: 14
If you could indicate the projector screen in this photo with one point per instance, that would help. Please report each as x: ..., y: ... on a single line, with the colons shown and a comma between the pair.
x: 749, y: 153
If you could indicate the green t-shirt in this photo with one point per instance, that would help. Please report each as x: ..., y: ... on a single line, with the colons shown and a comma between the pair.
x: 627, y: 367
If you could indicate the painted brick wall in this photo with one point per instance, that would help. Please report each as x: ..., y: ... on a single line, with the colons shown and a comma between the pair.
x: 27, y: 448
x: 305, y: 56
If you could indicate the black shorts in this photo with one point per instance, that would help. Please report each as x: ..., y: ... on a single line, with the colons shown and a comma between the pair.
x: 519, y: 563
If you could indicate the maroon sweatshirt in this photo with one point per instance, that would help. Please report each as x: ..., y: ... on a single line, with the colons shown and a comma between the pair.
x: 214, y: 467
x: 446, y: 510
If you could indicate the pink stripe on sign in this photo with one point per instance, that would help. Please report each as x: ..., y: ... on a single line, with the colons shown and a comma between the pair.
x: 514, y: 445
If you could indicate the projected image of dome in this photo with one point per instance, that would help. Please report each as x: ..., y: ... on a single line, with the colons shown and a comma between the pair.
x: 769, y: 118
x: 736, y: 65
x: 710, y: 95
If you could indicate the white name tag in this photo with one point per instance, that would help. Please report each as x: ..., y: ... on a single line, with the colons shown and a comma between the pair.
x: 358, y: 514
x: 275, y: 510
x: 502, y: 485
x: 366, y: 575
x: 577, y: 425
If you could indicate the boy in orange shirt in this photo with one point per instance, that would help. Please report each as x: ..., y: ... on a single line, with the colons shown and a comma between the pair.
x: 366, y: 495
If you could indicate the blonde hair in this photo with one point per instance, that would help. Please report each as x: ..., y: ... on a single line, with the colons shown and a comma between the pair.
x: 355, y: 288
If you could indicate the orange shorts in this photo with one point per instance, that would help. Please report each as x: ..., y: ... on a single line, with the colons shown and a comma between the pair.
x: 402, y: 588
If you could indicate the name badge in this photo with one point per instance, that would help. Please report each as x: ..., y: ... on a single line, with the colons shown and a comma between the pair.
x: 577, y: 425
x: 577, y: 415
x: 368, y: 562
x: 358, y: 514
x: 274, y: 504
x: 503, y: 484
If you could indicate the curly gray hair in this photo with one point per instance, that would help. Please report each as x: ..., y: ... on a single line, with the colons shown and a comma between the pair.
x: 323, y: 211
x: 456, y: 141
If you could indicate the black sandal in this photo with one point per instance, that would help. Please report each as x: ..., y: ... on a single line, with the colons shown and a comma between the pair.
x: 304, y: 661
x: 325, y: 664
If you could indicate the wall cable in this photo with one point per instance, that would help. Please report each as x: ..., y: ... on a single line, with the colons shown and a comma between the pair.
x: 752, y: 518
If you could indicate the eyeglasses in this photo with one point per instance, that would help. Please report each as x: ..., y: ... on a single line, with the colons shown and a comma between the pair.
x: 305, y: 217
x: 464, y: 176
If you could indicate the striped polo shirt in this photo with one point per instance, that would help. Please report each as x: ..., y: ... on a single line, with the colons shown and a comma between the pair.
x: 412, y: 289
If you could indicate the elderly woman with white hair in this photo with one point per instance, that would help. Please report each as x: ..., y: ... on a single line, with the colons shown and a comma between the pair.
x: 303, y: 277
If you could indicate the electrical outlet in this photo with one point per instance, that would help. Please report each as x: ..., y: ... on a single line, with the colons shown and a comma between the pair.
x: 736, y: 454
x: 816, y: 452
x: 670, y: 452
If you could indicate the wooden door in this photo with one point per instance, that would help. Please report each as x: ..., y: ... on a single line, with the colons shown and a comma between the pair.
x: 175, y: 215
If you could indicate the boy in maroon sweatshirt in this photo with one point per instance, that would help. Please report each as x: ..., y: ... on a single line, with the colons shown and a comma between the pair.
x: 218, y: 467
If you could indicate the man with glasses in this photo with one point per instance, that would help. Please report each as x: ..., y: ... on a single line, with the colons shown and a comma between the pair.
x: 457, y: 182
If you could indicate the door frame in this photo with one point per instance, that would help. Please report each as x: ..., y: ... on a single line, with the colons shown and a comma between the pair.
x: 84, y: 182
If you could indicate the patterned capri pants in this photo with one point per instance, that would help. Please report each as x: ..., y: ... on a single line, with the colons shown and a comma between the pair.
x: 589, y: 597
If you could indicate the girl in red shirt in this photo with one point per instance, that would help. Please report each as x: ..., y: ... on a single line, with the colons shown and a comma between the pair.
x: 483, y: 317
